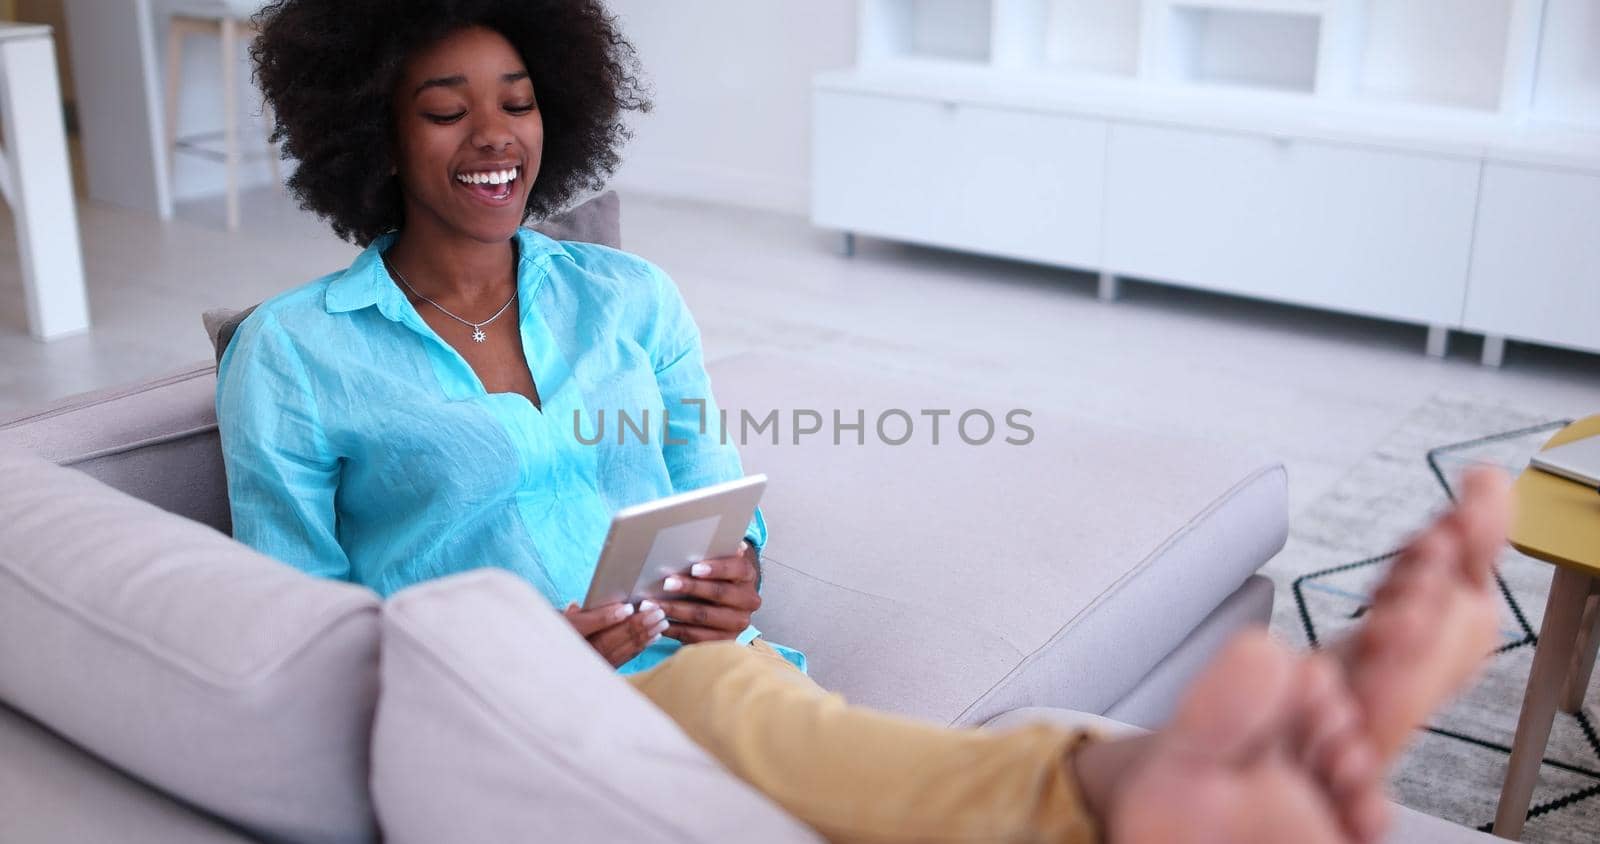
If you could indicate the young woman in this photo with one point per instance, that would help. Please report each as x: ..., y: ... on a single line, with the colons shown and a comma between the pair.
x: 413, y: 416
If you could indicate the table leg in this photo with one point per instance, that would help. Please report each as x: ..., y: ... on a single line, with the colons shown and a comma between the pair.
x: 230, y: 113
x: 43, y: 206
x: 1583, y: 658
x: 1558, y: 635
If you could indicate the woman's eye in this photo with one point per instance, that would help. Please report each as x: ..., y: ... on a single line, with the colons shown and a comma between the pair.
x: 522, y: 108
x: 446, y: 118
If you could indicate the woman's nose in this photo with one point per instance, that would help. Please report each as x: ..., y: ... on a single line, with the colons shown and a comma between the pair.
x: 492, y: 134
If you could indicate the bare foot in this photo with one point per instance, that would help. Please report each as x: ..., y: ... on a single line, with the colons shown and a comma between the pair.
x: 1270, y: 747
x: 1228, y: 768
x: 1433, y: 620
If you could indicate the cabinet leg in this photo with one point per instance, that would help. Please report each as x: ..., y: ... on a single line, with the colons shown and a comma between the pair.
x: 1494, y: 350
x: 1110, y: 287
x: 1583, y: 659
x: 1558, y: 635
x: 847, y: 244
x: 1438, y: 341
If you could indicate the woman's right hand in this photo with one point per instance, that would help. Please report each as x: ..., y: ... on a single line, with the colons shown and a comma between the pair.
x: 616, y: 631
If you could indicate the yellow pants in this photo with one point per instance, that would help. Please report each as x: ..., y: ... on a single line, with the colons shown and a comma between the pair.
x: 856, y: 775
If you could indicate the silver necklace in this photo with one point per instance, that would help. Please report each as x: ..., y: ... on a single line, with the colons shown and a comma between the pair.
x: 477, y: 327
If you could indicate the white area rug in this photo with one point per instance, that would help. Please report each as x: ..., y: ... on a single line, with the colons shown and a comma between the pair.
x: 1338, y: 548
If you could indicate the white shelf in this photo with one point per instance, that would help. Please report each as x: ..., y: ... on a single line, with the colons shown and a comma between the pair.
x: 1441, y: 52
x: 1099, y: 37
x: 1567, y: 85
x: 1521, y: 59
x: 1308, y: 46
x: 1510, y: 80
x: 1297, y: 7
x: 941, y: 30
x: 1273, y: 50
x: 1420, y: 129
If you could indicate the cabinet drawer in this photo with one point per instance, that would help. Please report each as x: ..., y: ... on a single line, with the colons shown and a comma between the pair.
x: 1001, y: 181
x: 1353, y: 229
x: 1536, y: 257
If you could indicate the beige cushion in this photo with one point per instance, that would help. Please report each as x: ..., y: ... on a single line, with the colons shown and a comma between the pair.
x: 227, y: 679
x: 498, y: 723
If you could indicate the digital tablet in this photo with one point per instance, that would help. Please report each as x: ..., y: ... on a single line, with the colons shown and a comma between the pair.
x: 648, y: 542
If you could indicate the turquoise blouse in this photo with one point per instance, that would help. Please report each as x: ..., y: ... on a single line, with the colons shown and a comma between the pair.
x: 361, y: 446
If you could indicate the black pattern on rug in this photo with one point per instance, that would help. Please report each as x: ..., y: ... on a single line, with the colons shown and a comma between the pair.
x: 1456, y: 767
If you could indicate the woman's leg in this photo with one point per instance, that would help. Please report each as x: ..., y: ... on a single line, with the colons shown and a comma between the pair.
x: 857, y: 775
x: 1266, y: 743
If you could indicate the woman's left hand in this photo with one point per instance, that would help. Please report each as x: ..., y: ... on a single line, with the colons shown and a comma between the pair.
x: 714, y: 601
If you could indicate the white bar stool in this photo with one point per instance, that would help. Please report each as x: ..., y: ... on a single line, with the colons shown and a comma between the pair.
x: 229, y: 22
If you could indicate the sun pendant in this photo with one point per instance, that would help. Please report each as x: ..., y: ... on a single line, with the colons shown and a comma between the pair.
x: 478, y: 336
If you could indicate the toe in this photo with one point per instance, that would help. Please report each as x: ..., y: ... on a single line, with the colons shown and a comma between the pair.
x: 1328, y: 712
x: 1368, y: 815
x: 1239, y: 702
x: 1351, y: 765
x: 1485, y: 519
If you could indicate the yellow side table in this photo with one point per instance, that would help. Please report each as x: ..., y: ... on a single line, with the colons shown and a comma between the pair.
x: 1557, y: 521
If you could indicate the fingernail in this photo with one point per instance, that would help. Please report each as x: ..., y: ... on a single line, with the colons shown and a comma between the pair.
x: 700, y: 569
x: 656, y: 616
x: 672, y: 584
x: 646, y: 606
x: 622, y: 612
x: 653, y: 639
x: 660, y: 628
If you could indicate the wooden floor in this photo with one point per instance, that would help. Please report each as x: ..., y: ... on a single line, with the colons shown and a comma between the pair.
x: 1317, y: 390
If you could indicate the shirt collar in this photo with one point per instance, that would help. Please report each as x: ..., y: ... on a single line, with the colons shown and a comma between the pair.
x: 367, y: 281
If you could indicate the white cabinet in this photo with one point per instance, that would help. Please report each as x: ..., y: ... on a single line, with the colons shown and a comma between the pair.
x: 1348, y: 228
x: 1003, y: 181
x: 1380, y: 157
x: 1536, y: 261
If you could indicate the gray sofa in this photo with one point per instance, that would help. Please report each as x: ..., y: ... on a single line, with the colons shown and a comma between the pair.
x: 160, y: 682
x: 950, y: 583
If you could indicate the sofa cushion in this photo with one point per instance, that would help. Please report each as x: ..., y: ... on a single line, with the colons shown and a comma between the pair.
x: 498, y: 723
x: 230, y: 680
x: 955, y: 581
x: 155, y: 440
x: 1408, y: 827
x: 599, y: 220
x: 1154, y: 701
x: 52, y: 791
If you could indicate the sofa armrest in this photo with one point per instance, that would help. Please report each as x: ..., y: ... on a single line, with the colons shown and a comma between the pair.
x: 155, y: 440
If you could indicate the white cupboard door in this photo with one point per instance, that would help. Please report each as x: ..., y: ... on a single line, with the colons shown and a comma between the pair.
x: 1536, y: 257
x: 1000, y: 181
x: 877, y: 164
x: 1352, y: 229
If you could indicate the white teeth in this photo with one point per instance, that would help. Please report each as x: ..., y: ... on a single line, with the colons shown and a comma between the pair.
x: 492, y: 178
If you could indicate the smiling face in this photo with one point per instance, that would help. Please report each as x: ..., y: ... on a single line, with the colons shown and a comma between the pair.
x: 468, y: 136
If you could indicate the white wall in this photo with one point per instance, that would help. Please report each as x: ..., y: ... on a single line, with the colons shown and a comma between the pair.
x: 732, y: 79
